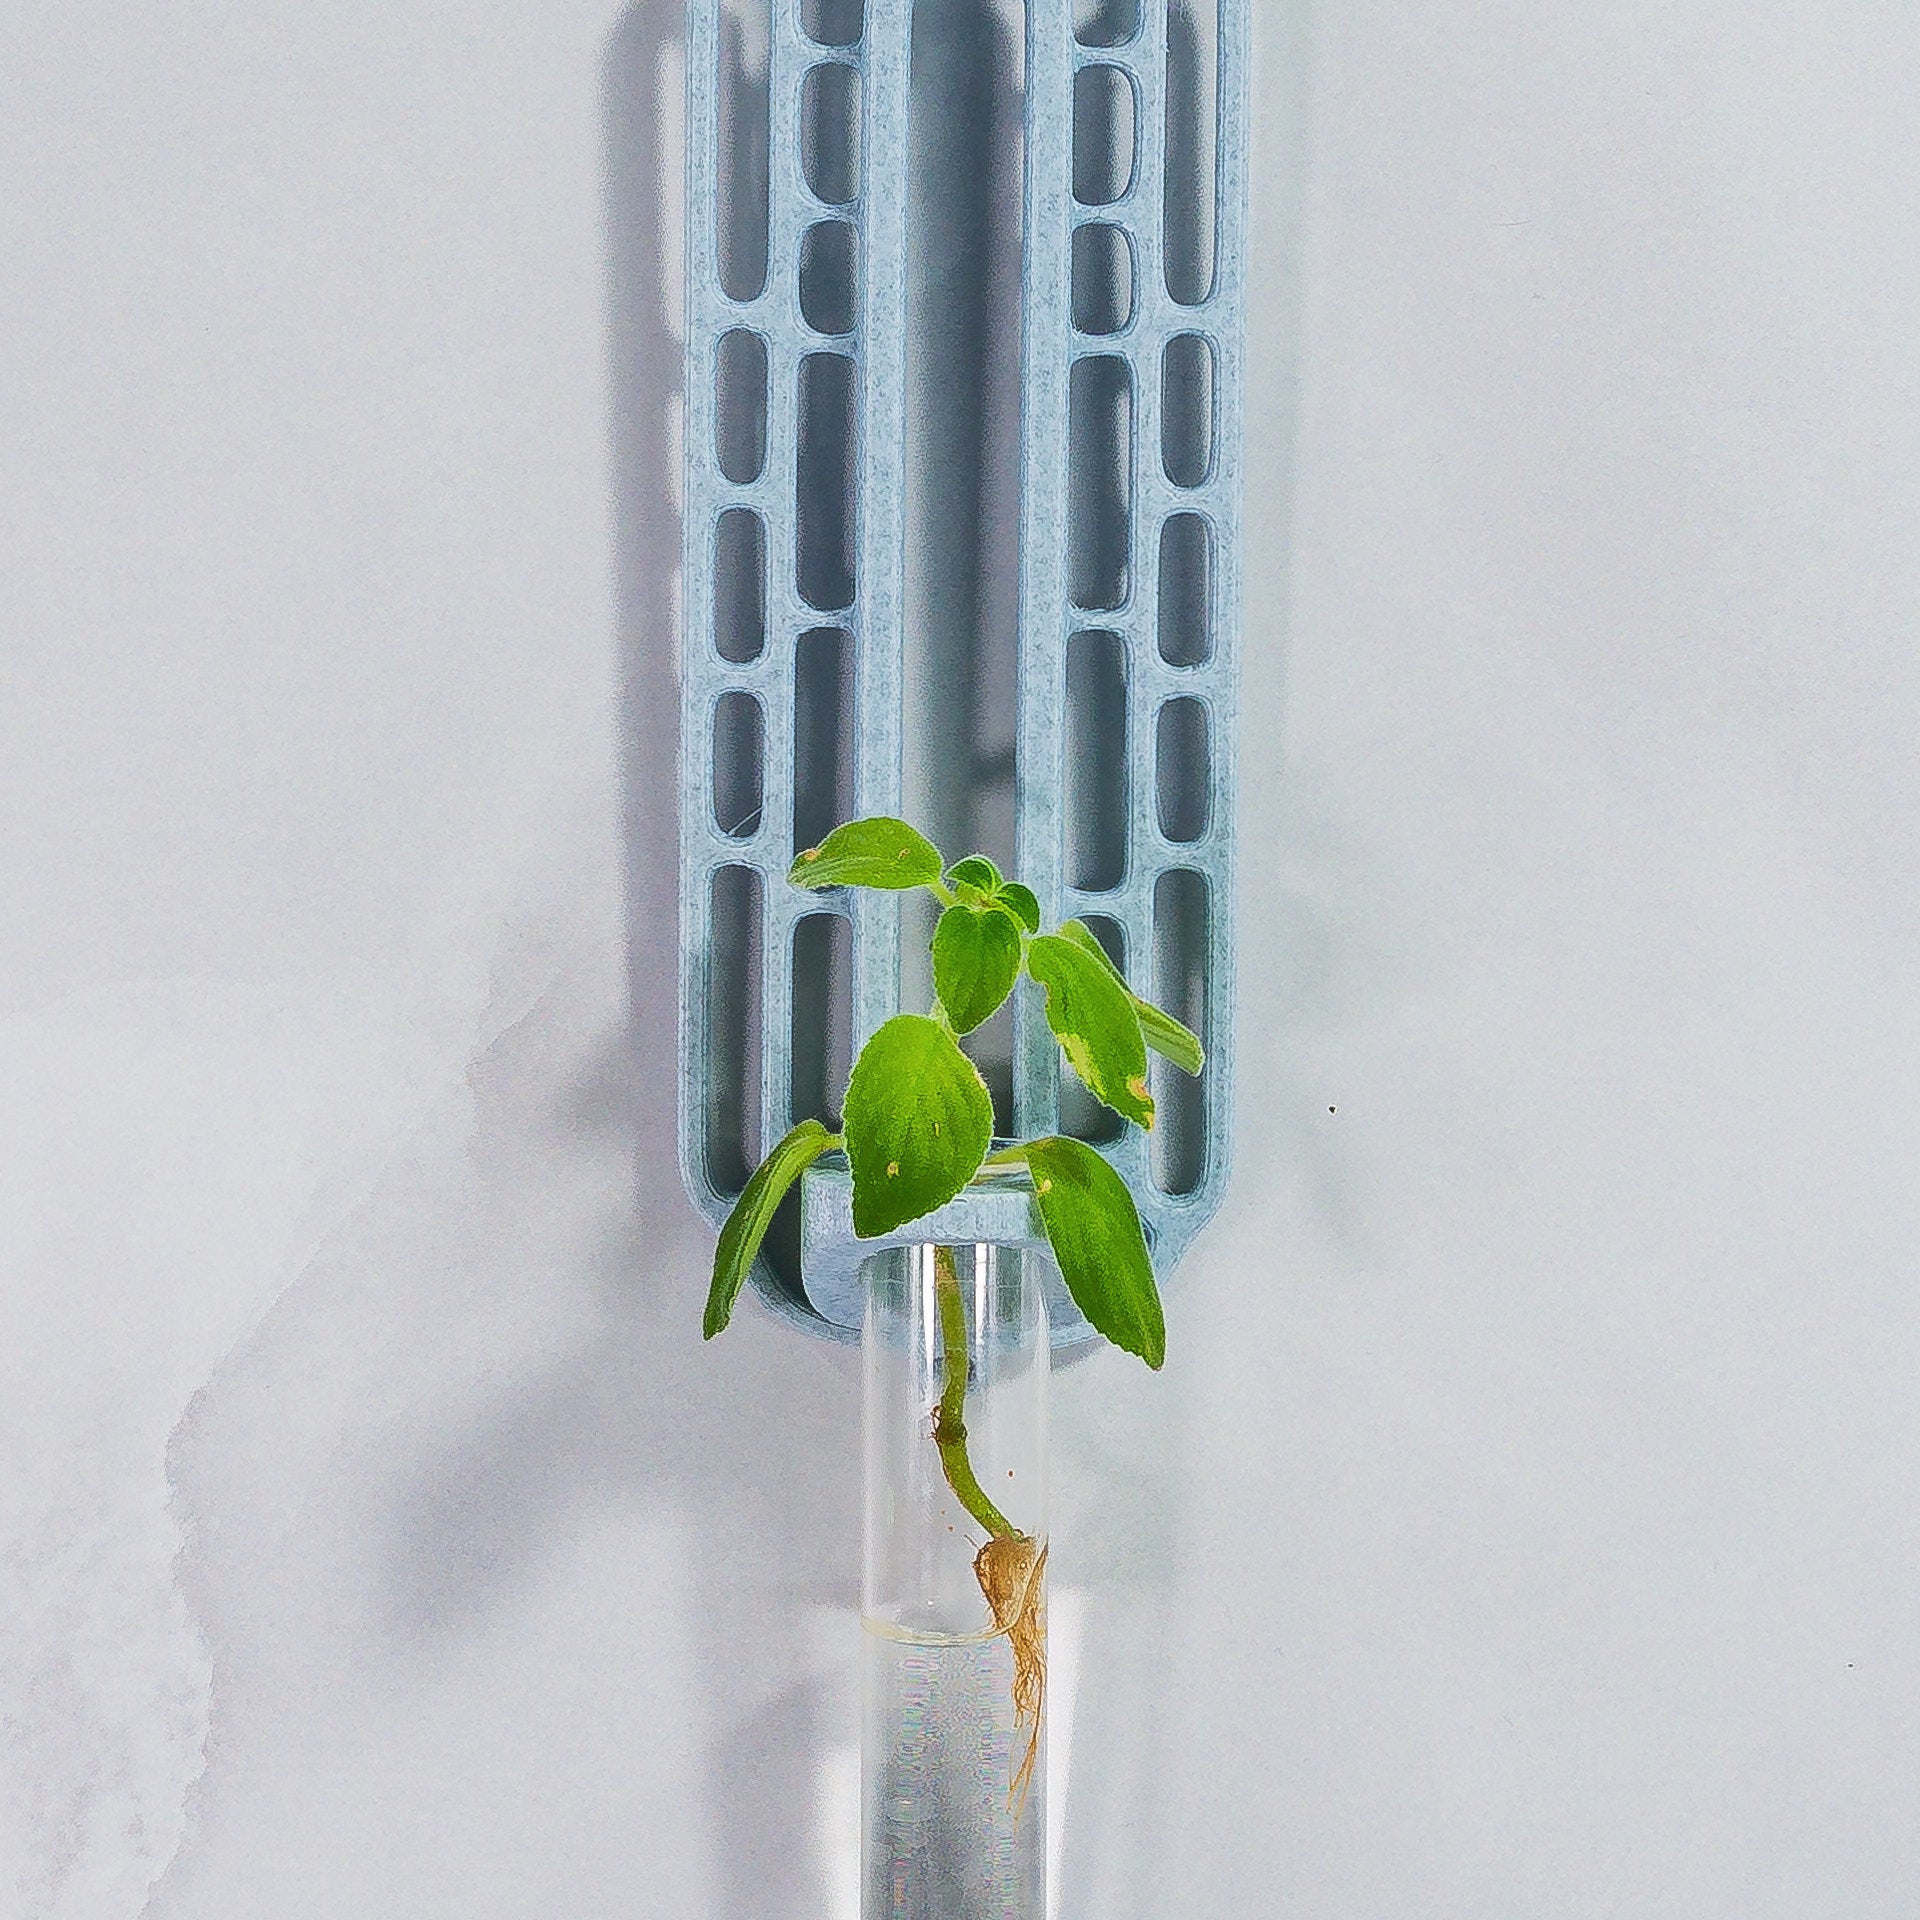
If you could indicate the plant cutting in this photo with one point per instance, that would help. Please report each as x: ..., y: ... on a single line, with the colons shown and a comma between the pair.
x: 918, y: 1129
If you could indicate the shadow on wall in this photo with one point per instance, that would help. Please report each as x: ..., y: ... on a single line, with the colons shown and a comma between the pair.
x: 773, y: 1540
x: 753, y: 1443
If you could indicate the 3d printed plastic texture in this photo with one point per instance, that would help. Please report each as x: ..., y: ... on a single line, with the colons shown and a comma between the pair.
x: 1133, y: 261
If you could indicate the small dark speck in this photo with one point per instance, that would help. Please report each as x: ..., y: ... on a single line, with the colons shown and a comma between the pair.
x: 1333, y: 1109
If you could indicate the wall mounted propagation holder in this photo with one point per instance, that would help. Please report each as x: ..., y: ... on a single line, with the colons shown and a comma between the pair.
x: 794, y: 605
x: 809, y: 215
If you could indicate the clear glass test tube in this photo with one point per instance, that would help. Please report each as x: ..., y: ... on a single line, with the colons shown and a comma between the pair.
x: 953, y: 1741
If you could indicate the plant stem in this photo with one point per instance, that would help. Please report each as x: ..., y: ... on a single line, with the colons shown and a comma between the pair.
x: 949, y: 1425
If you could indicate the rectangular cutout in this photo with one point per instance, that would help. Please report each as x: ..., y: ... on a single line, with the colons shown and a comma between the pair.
x: 1102, y: 278
x: 734, y: 962
x: 828, y: 289
x: 1183, y: 770
x: 1185, y: 620
x: 741, y: 164
x: 1099, y: 481
x: 830, y: 131
x: 822, y: 735
x: 739, y: 586
x: 1177, y: 1148
x: 1104, y: 135
x: 990, y: 1046
x: 1193, y: 108
x: 1096, y: 762
x: 831, y: 23
x: 822, y: 1016
x: 1186, y: 409
x: 824, y: 498
x: 738, y: 772
x: 1111, y: 935
x: 1105, y: 23
x: 1082, y: 1117
x: 960, y: 561
x: 740, y: 405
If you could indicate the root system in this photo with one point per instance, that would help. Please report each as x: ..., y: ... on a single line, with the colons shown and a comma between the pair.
x: 1012, y: 1571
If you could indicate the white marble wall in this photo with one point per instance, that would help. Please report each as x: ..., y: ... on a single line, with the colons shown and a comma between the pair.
x: 1523, y: 1525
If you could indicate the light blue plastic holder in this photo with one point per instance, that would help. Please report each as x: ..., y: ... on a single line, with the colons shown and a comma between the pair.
x: 1169, y: 520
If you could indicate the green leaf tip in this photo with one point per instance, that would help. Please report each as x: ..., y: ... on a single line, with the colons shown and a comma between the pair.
x: 880, y: 852
x: 919, y: 1121
x: 746, y: 1226
x: 1158, y: 1028
x: 1022, y: 903
x: 976, y: 960
x: 1091, y: 1014
x: 1094, y: 1229
x: 975, y: 871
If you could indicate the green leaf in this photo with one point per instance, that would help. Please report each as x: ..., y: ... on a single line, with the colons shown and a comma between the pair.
x: 977, y: 871
x: 919, y: 1121
x: 1091, y: 1014
x: 1094, y: 1230
x: 1020, y: 902
x: 976, y: 960
x: 1158, y: 1028
x: 1084, y: 937
x: 870, y: 853
x: 753, y: 1213
x: 1164, y: 1034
